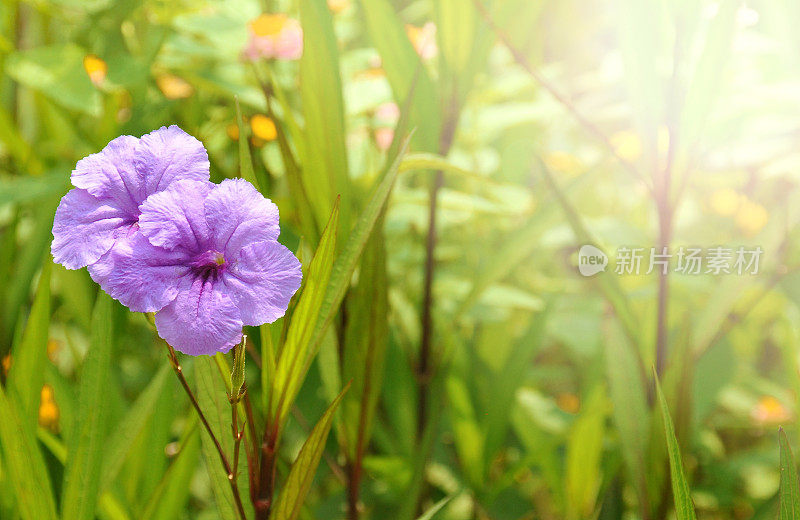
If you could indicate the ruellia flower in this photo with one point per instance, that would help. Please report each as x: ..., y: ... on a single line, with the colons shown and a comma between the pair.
x: 206, y: 257
x: 274, y: 36
x: 102, y: 212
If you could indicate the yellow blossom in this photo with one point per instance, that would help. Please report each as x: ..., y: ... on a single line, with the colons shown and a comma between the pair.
x: 48, y: 410
x: 751, y: 217
x: 725, y: 202
x: 337, y: 6
x: 561, y: 161
x: 174, y: 87
x: 627, y: 145
x: 263, y: 127
x: 770, y: 410
x: 95, y: 68
x: 268, y: 24
x: 6, y: 363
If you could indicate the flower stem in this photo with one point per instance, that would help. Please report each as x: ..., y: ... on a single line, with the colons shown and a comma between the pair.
x: 176, y: 367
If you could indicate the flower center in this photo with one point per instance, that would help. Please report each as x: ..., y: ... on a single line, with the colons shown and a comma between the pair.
x: 209, y: 264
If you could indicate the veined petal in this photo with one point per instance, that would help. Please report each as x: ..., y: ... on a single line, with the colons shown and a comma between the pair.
x: 85, y: 227
x: 262, y: 281
x: 169, y: 154
x: 201, y: 320
x: 111, y: 173
x: 239, y: 216
x: 175, y: 217
x: 139, y: 275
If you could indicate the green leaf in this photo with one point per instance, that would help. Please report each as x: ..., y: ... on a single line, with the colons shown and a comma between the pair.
x: 213, y: 400
x: 468, y: 438
x: 631, y: 414
x: 403, y: 66
x: 131, y: 425
x: 26, y: 378
x: 87, y: 441
x: 245, y: 161
x: 365, y: 348
x: 302, y: 473
x: 57, y: 72
x: 346, y: 262
x: 298, y: 350
x: 24, y: 464
x: 28, y: 261
x: 684, y: 508
x: 789, y: 492
x: 325, y: 171
x: 584, y: 451
x: 169, y: 499
x: 435, y: 508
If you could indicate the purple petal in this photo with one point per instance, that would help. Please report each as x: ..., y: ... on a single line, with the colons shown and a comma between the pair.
x: 239, y: 216
x: 112, y: 174
x: 141, y: 276
x: 169, y: 154
x: 262, y: 281
x: 201, y: 320
x: 174, y: 218
x: 84, y: 228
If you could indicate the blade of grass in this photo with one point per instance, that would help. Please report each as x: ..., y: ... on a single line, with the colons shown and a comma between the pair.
x: 26, y: 378
x: 24, y: 464
x: 684, y: 508
x: 325, y: 170
x: 170, y: 497
x: 348, y: 258
x: 86, y: 444
x: 245, y: 161
x: 131, y: 425
x: 402, y: 65
x: 789, y: 491
x: 298, y: 350
x: 302, y: 473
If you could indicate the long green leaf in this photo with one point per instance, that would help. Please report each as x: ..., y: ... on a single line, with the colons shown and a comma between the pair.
x: 684, y: 508
x: 245, y: 161
x: 584, y: 450
x: 213, y: 400
x: 298, y: 350
x: 631, y: 414
x: 30, y: 355
x: 325, y: 171
x: 131, y: 425
x: 25, y: 466
x: 348, y: 258
x: 302, y: 473
x: 172, y: 493
x: 402, y: 65
x: 435, y: 508
x: 86, y: 444
x: 365, y: 348
x: 789, y: 492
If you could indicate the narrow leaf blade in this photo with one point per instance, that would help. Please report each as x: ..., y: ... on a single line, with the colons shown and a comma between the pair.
x: 302, y: 473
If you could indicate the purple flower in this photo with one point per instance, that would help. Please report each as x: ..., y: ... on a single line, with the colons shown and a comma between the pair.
x: 101, y: 213
x: 206, y: 257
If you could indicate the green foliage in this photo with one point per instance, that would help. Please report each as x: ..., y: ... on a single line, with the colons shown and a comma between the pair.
x: 551, y: 125
x: 684, y: 507
x: 790, y: 492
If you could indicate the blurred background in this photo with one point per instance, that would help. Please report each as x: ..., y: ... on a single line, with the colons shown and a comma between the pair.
x: 499, y: 378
